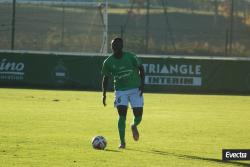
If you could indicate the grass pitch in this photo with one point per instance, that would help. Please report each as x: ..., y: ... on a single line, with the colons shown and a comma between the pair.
x: 54, y: 128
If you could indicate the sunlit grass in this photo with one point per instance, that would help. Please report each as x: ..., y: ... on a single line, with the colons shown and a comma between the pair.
x: 54, y: 128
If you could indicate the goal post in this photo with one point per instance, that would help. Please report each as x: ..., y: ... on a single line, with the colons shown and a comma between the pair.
x: 104, y: 49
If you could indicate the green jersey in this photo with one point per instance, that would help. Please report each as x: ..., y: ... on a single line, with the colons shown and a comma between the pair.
x: 125, y: 71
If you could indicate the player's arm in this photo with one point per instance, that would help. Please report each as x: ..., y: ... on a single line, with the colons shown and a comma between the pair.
x: 142, y: 75
x: 104, y: 88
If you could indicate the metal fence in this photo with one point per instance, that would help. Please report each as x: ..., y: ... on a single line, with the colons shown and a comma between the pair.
x: 52, y: 26
x: 176, y: 27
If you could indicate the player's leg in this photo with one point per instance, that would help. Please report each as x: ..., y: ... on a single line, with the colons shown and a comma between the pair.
x: 121, y: 103
x: 122, y: 111
x: 138, y: 111
x: 136, y: 102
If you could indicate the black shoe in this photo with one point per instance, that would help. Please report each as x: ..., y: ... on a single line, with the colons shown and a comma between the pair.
x: 135, y: 132
x: 122, y: 146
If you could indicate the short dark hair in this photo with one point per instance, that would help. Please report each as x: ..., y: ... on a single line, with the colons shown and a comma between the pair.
x: 117, y: 43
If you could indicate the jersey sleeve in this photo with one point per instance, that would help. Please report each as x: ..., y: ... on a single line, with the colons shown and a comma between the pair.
x: 105, y: 69
x: 136, y: 61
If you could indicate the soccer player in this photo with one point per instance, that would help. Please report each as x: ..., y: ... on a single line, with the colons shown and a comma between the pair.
x: 128, y: 75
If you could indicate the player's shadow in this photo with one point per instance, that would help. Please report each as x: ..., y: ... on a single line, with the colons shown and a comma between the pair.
x: 164, y: 153
x: 110, y: 150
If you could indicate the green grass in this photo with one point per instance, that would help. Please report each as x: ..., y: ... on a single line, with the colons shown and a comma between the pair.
x: 54, y: 128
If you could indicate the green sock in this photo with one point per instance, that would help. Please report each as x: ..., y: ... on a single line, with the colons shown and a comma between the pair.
x: 137, y: 120
x: 121, y: 128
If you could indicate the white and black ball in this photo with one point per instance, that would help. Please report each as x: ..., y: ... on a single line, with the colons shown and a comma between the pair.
x: 99, y: 142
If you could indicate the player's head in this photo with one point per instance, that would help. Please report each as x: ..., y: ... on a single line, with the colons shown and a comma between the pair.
x: 117, y: 45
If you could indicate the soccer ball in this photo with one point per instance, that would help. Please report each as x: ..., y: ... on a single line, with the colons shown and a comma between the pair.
x: 99, y: 142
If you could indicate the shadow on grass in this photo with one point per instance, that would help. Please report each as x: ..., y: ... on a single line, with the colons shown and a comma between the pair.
x: 110, y: 150
x: 164, y: 153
